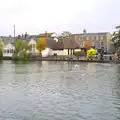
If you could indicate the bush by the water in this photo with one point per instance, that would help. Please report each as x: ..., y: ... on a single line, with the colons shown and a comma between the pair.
x: 22, y: 56
x: 20, y: 52
x: 1, y: 55
x: 1, y: 49
x: 79, y: 53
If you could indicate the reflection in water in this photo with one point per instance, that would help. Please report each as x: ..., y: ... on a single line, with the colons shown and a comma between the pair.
x: 59, y: 91
x: 20, y: 76
x: 116, y: 91
x: 70, y: 66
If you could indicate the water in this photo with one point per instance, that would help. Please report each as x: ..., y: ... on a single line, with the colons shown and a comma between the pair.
x: 59, y: 91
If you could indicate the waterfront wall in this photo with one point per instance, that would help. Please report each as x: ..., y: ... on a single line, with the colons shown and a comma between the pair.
x: 68, y: 58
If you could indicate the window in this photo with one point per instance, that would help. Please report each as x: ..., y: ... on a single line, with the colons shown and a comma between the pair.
x: 102, y: 37
x: 81, y: 45
x: 84, y: 38
x: 93, y: 43
x: 7, y: 51
x: 102, y: 43
x: 80, y: 38
x: 76, y: 37
x: 97, y: 37
x: 90, y: 38
x: 11, y: 51
x: 94, y: 37
x: 87, y: 38
x: 33, y: 46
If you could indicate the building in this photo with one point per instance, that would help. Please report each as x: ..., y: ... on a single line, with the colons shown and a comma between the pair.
x: 56, y: 46
x: 63, y: 46
x: 33, y: 49
x: 8, y: 46
x: 70, y: 44
x: 47, y: 36
x: 101, y: 40
x: 8, y: 50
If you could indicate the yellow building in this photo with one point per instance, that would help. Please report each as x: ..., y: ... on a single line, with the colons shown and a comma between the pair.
x: 100, y: 40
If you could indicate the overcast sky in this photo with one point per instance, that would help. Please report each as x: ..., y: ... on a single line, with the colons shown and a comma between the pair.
x: 35, y: 16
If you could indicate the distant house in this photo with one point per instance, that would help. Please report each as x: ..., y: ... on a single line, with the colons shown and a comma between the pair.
x: 56, y: 46
x: 63, y: 46
x: 1, y: 44
x: 8, y: 46
x: 47, y: 36
x: 33, y: 50
x: 100, y: 40
x: 70, y: 45
x: 8, y: 50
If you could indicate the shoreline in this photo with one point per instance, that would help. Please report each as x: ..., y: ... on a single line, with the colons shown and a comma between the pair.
x: 67, y: 60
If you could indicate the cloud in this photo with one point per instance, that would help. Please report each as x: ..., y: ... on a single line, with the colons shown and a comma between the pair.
x: 35, y: 16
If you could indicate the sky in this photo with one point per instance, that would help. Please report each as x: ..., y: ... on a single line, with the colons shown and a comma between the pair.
x: 36, y: 16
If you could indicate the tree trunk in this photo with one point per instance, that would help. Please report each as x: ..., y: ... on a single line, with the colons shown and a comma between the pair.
x: 40, y: 56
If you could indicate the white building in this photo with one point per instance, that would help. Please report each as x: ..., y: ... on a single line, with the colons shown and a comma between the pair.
x: 8, y: 50
x: 33, y: 50
x: 47, y: 52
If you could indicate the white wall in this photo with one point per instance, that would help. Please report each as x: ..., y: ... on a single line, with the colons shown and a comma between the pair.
x: 47, y: 52
x: 33, y: 49
x: 60, y: 52
x: 8, y: 50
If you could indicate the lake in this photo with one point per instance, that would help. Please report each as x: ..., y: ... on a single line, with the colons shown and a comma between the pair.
x: 59, y: 91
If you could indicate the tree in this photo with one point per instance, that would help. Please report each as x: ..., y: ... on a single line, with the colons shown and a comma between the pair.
x: 21, y: 48
x: 1, y: 49
x: 116, y: 38
x: 41, y: 44
x: 87, y: 44
x: 65, y: 33
x: 79, y: 53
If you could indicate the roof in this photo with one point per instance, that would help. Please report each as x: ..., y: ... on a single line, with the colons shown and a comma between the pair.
x: 70, y: 43
x: 32, y: 41
x: 45, y: 34
x: 55, y: 45
x: 7, y: 40
x: 62, y: 43
x: 9, y: 46
x: 98, y: 33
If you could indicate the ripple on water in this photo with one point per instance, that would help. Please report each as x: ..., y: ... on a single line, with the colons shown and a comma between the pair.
x: 59, y: 91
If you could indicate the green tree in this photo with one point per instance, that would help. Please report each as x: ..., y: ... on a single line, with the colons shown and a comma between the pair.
x: 21, y: 48
x: 1, y: 49
x: 116, y: 38
x: 65, y: 34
